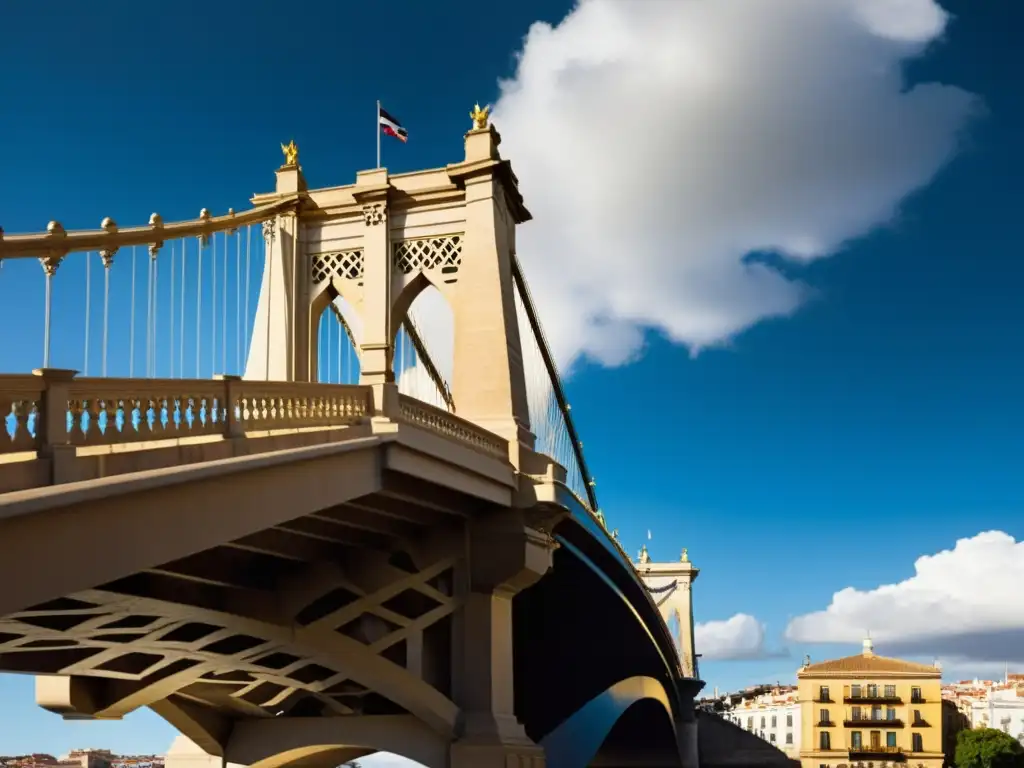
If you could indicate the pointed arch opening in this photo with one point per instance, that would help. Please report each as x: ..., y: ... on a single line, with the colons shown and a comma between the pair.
x: 424, y: 344
x: 337, y: 330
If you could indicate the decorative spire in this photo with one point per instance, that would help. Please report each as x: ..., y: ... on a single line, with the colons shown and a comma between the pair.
x: 480, y: 117
x: 643, y: 558
x: 291, y: 154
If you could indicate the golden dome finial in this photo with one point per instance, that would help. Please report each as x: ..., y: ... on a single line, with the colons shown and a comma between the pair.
x: 480, y: 116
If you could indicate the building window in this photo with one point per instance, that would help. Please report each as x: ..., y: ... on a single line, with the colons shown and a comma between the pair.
x: 750, y: 723
x: 872, y: 691
x: 824, y: 741
x: 823, y: 717
x: 890, y: 713
x: 915, y: 694
x: 855, y: 740
x: 917, y: 717
x: 890, y: 738
x: 855, y: 692
x: 855, y: 713
x: 771, y: 738
x: 876, y: 714
x: 773, y: 721
x: 789, y: 721
x: 917, y: 742
x: 876, y: 739
x: 823, y: 693
x: 762, y: 721
x: 890, y: 691
x: 789, y: 738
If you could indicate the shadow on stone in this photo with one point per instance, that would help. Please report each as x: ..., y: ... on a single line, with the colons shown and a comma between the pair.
x: 724, y: 744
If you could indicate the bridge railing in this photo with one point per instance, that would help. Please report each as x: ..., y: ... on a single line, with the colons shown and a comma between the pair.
x: 54, y: 408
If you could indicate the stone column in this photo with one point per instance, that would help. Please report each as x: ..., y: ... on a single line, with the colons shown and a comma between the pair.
x: 377, y: 343
x: 669, y: 584
x: 279, y: 350
x: 488, y: 382
x: 504, y: 557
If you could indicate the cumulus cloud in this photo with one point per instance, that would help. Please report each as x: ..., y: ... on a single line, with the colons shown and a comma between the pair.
x: 962, y: 605
x: 741, y: 637
x: 663, y: 146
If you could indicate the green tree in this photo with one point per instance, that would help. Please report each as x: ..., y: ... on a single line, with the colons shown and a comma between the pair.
x: 988, y: 748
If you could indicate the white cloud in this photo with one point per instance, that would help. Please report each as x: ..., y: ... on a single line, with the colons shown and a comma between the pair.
x: 659, y: 143
x: 963, y: 605
x: 741, y: 637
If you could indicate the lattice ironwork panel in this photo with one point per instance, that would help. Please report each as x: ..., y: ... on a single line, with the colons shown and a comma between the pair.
x: 444, y: 253
x: 347, y: 265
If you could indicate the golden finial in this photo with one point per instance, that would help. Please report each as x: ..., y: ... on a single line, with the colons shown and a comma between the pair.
x: 291, y: 153
x: 480, y: 116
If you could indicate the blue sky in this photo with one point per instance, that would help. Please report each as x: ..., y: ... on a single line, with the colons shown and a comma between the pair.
x: 814, y: 439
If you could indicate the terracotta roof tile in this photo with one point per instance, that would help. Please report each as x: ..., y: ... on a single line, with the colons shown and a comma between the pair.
x: 868, y: 664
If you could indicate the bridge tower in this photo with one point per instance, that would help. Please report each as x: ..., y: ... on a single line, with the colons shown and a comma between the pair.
x: 669, y: 585
x: 378, y: 245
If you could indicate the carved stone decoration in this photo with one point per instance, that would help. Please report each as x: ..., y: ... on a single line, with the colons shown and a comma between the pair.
x: 346, y: 265
x: 269, y: 230
x: 374, y: 213
x: 430, y: 253
x: 50, y: 263
x: 107, y: 257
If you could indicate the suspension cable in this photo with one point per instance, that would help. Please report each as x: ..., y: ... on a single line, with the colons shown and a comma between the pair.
x: 238, y: 302
x: 224, y: 312
x: 181, y: 313
x: 131, y: 323
x: 213, y: 303
x: 199, y: 304
x: 108, y: 262
x: 170, y: 303
x: 149, y: 311
x: 152, y: 330
x: 248, y: 270
x: 88, y: 261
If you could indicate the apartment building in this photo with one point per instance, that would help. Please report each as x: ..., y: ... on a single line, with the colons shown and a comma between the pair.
x: 870, y: 709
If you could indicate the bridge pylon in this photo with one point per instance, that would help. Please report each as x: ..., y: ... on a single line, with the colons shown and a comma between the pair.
x: 378, y: 244
x: 669, y: 585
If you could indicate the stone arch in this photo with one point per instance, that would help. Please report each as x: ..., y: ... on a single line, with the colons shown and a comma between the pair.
x: 427, y: 303
x: 410, y: 290
x: 575, y: 742
x: 286, y: 741
x: 327, y: 297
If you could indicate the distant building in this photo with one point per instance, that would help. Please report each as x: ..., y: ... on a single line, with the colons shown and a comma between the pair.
x: 771, y: 712
x: 870, y: 709
x: 990, y: 704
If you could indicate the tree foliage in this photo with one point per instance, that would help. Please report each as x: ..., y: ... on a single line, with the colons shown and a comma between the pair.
x: 988, y: 748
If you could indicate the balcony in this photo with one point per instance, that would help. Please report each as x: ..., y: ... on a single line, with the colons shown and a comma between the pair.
x: 918, y: 700
x: 865, y: 698
x: 826, y: 723
x: 920, y: 723
x: 867, y: 720
x: 872, y: 751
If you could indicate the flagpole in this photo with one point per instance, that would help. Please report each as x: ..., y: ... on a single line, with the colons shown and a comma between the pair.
x: 378, y: 133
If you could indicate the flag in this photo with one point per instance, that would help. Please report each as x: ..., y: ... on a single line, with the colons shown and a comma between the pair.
x: 390, y: 126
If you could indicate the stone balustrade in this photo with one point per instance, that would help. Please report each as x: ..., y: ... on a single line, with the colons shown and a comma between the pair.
x: 52, y: 416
